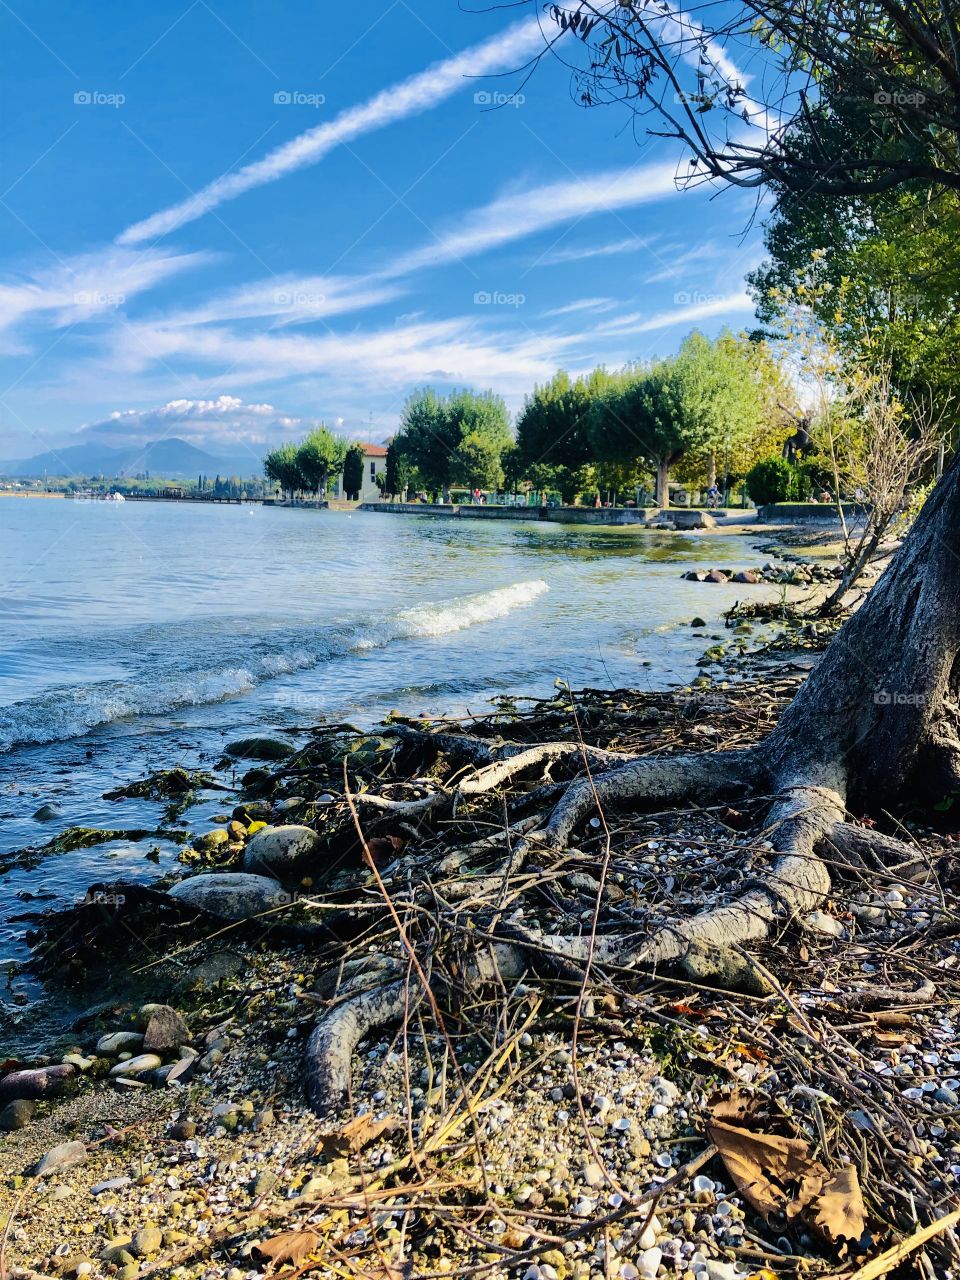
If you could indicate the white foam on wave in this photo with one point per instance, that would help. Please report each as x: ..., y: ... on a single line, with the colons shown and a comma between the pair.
x: 71, y: 713
x: 468, y: 611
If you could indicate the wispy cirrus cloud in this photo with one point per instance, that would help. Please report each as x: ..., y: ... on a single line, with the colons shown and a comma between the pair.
x: 88, y: 285
x: 418, y: 93
x: 515, y: 215
x: 691, y: 307
x: 630, y: 244
x: 595, y: 305
x: 511, y: 217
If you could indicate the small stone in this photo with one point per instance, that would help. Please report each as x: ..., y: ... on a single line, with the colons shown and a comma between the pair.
x: 593, y: 1174
x: 38, y: 1082
x: 147, y: 1241
x: 139, y: 1065
x: 165, y: 1029
x: 184, y: 1131
x: 111, y: 1184
x: 64, y: 1156
x: 649, y: 1263
x: 119, y: 1042
x: 17, y: 1114
x: 820, y: 922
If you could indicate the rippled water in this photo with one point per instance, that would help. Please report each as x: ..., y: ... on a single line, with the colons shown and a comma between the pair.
x: 139, y: 635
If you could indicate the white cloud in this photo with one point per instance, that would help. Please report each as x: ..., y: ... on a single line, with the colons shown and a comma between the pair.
x: 216, y: 423
x: 513, y: 216
x: 595, y: 305
x: 379, y: 361
x: 88, y: 285
x: 632, y: 244
x: 291, y: 299
x: 410, y: 97
x: 690, y: 308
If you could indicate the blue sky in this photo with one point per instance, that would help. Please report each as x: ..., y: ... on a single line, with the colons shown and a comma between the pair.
x: 227, y: 222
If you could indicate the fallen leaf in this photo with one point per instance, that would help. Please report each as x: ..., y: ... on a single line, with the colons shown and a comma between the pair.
x: 288, y: 1246
x: 774, y: 1174
x: 840, y: 1214
x: 356, y: 1134
x: 384, y: 849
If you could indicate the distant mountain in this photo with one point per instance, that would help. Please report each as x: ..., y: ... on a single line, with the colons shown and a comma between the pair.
x: 172, y: 457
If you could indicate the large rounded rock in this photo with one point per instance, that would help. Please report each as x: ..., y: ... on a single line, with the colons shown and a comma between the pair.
x: 39, y: 1082
x: 165, y: 1028
x: 230, y: 895
x: 280, y: 851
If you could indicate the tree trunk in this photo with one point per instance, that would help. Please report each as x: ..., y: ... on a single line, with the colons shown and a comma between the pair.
x: 883, y: 703
x: 663, y: 485
x: 711, y: 469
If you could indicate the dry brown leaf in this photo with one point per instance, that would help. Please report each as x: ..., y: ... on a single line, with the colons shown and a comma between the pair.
x: 764, y: 1166
x: 356, y: 1134
x: 383, y: 849
x: 839, y: 1213
x: 288, y: 1246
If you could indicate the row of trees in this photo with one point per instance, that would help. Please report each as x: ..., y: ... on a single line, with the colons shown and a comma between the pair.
x: 310, y: 466
x: 711, y: 408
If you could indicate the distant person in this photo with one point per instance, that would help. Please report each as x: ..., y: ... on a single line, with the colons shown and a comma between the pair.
x: 596, y: 501
x: 713, y: 497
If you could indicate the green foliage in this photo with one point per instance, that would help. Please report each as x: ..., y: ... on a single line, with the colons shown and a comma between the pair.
x: 777, y: 480
x: 319, y: 457
x: 282, y: 465
x: 399, y: 471
x: 353, y: 471
x: 457, y: 439
x: 555, y: 450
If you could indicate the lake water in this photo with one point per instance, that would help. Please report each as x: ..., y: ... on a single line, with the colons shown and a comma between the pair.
x: 139, y: 635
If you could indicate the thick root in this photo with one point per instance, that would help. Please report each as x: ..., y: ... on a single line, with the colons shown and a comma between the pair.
x: 329, y: 1053
x: 797, y: 882
x: 661, y: 780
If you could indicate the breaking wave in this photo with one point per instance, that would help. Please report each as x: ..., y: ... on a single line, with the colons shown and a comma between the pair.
x: 183, y: 678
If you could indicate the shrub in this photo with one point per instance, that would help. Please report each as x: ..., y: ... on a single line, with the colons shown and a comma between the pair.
x: 771, y: 480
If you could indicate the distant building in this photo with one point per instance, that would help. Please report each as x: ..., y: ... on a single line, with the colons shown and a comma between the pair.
x: 374, y: 464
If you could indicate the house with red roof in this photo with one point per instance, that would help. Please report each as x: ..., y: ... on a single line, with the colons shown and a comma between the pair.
x: 374, y: 465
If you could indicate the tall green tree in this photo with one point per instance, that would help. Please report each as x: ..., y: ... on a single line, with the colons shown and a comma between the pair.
x: 429, y: 439
x: 282, y: 466
x: 320, y: 457
x: 457, y: 439
x: 353, y: 471
x: 554, y: 446
x: 399, y: 470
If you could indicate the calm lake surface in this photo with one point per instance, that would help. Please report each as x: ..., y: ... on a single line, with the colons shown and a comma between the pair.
x: 141, y: 635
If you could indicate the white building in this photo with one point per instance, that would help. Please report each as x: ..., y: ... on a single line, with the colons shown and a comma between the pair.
x: 374, y: 465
